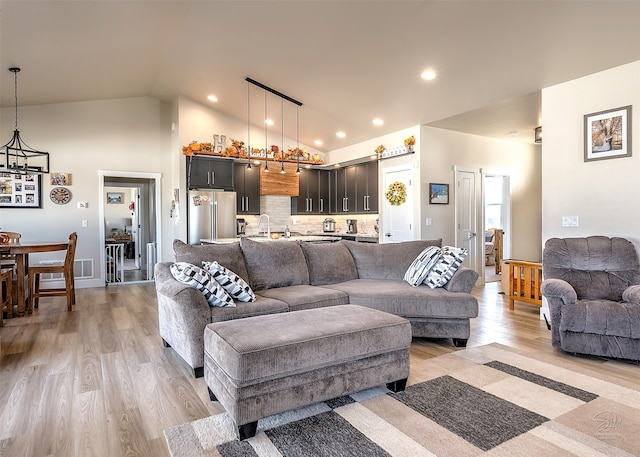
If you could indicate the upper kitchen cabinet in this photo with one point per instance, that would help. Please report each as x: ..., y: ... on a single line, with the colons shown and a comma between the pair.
x: 246, y: 183
x: 209, y: 173
x: 313, y: 197
x: 345, y: 201
x: 367, y: 187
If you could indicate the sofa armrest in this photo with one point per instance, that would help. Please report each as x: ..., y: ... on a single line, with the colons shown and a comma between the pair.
x: 463, y: 280
x: 632, y: 294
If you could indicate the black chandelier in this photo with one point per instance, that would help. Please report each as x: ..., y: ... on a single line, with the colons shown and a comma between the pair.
x: 16, y: 156
x: 282, y: 97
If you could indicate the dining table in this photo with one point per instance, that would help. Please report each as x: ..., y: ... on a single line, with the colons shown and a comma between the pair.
x: 21, y: 250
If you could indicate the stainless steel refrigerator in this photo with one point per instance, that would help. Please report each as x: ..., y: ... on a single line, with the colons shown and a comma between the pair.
x: 211, y: 215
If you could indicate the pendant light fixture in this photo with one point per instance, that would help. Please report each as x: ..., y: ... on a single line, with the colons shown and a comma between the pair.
x: 266, y: 142
x: 16, y: 156
x: 248, y: 126
x: 298, y: 139
x: 282, y: 140
x: 283, y: 97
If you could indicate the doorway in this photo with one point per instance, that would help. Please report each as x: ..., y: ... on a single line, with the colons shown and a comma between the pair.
x: 129, y: 209
x: 496, y: 196
x: 397, y: 223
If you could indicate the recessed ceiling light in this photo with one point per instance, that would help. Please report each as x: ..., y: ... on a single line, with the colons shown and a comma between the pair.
x: 378, y: 121
x: 428, y: 75
x: 341, y: 134
x: 318, y: 142
x: 213, y: 98
x: 268, y: 121
x: 513, y: 133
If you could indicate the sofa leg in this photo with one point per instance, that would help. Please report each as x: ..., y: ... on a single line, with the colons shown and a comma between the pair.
x: 460, y: 342
x: 165, y: 344
x: 212, y: 396
x: 197, y: 372
x: 248, y: 430
x: 397, y: 386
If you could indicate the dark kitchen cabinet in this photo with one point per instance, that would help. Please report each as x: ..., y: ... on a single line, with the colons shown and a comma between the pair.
x: 345, y: 190
x: 209, y: 173
x: 367, y: 188
x: 313, y: 196
x: 354, y: 189
x: 246, y: 183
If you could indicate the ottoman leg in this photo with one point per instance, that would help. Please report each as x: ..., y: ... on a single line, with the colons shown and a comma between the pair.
x: 248, y: 430
x: 212, y: 396
x: 397, y: 386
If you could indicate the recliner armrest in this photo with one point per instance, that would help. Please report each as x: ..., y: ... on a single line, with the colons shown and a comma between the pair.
x: 559, y: 288
x: 632, y: 294
x: 462, y: 281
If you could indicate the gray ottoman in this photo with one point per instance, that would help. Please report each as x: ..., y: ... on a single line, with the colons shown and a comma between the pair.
x: 264, y: 365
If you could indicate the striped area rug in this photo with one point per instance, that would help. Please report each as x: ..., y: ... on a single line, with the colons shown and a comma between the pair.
x: 489, y: 400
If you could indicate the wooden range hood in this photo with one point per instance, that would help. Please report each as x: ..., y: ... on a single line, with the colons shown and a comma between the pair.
x: 276, y: 183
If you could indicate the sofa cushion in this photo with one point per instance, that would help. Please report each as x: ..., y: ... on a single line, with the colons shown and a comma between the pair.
x: 398, y: 297
x: 422, y: 265
x: 450, y: 260
x: 228, y: 255
x: 233, y: 284
x: 387, y: 260
x: 202, y: 280
x: 306, y: 297
x: 273, y: 264
x: 329, y: 263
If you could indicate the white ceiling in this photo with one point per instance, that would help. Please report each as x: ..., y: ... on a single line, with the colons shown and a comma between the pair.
x: 346, y: 61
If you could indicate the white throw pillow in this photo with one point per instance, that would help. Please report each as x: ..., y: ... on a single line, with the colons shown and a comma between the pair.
x: 202, y: 280
x: 422, y: 265
x: 450, y: 260
x: 231, y: 282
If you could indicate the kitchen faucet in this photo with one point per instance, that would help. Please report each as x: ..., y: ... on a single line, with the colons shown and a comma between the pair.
x: 268, y: 225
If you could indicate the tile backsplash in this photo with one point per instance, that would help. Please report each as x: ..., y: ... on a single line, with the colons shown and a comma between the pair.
x: 278, y: 208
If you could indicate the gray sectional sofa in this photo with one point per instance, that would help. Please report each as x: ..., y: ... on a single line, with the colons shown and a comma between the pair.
x: 291, y: 275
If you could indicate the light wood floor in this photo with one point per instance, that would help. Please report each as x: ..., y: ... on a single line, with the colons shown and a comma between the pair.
x: 98, y: 382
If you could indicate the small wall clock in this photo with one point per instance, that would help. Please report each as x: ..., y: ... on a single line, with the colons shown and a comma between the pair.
x: 60, y: 195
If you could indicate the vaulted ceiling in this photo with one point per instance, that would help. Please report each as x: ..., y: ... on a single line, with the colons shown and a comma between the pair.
x: 346, y: 61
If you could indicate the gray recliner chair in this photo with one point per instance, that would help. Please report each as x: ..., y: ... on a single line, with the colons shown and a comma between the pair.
x: 592, y: 285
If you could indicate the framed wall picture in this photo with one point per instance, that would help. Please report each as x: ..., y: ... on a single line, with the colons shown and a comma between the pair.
x: 60, y: 179
x: 20, y: 191
x: 438, y: 194
x: 607, y: 134
x: 115, y: 198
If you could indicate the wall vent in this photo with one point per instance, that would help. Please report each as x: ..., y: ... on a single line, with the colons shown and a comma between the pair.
x: 82, y: 269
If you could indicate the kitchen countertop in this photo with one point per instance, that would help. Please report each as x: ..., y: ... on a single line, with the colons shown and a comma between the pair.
x: 314, y: 237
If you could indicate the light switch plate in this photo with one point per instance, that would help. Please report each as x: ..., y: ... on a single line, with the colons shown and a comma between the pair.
x: 570, y: 221
x: 83, y: 205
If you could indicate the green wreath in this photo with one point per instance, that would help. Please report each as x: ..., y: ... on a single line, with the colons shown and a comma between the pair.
x: 396, y: 193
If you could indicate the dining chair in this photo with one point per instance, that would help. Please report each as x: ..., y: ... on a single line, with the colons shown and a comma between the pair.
x: 9, y: 260
x: 5, y: 300
x: 35, y: 291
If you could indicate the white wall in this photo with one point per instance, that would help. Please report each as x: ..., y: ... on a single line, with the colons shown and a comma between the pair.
x: 604, y: 194
x: 441, y: 150
x: 122, y: 135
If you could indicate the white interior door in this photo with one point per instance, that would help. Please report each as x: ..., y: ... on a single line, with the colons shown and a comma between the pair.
x: 466, y: 214
x: 397, y: 221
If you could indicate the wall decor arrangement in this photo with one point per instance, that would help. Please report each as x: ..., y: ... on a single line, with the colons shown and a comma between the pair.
x: 20, y: 191
x: 607, y: 134
x: 60, y: 179
x: 438, y: 194
x: 115, y: 198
